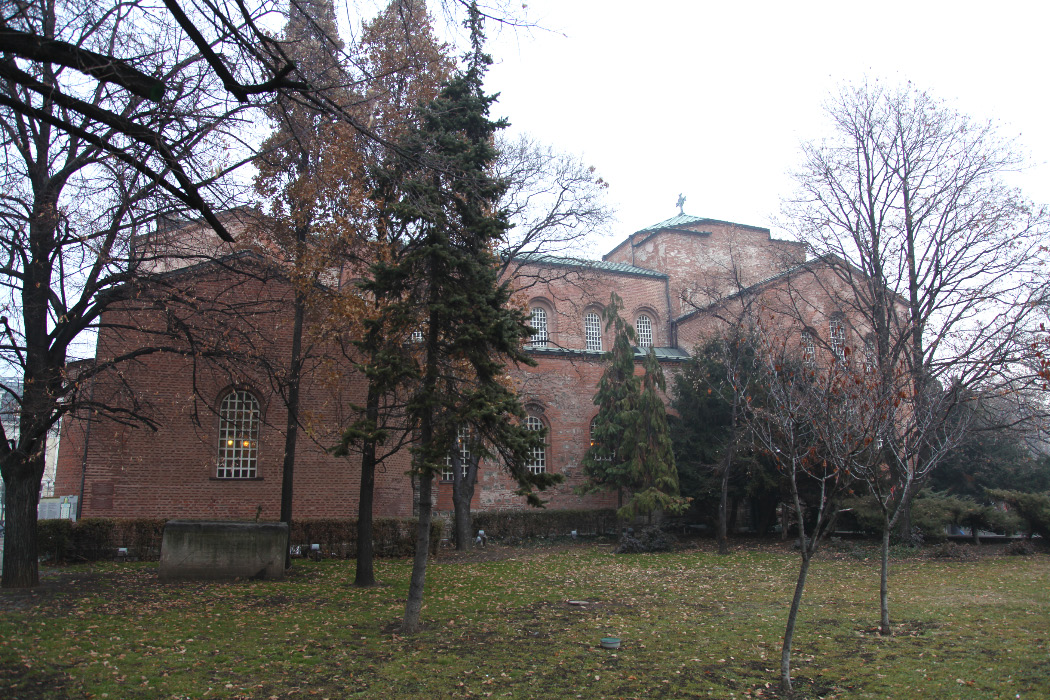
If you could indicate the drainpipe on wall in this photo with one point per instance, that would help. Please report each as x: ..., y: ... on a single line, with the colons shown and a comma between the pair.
x: 672, y: 327
x: 84, y: 459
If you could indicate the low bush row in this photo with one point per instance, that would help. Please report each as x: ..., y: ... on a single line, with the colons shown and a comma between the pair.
x: 545, y: 523
x: 391, y: 537
x: 92, y: 539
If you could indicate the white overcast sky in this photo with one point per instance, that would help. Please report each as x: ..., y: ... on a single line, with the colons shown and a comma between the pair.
x: 713, y: 99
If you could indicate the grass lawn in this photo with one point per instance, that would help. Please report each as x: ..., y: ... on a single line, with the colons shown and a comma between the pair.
x: 499, y: 624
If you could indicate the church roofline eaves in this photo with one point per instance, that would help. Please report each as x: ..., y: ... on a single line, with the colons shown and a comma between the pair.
x: 751, y: 289
x: 677, y: 222
x: 675, y: 225
x: 828, y: 259
x: 542, y: 259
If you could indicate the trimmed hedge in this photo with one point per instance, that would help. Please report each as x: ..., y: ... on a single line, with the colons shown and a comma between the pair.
x: 545, y: 523
x: 391, y: 537
x: 92, y: 539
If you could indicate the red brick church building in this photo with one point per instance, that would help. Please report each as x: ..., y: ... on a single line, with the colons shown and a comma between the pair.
x: 215, y: 446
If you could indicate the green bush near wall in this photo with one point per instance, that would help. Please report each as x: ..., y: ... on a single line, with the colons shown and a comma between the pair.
x: 92, y: 539
x: 545, y: 523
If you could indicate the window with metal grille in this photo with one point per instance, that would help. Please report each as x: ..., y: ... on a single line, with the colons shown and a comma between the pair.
x: 417, y: 336
x: 595, y: 444
x: 592, y: 326
x: 239, y: 419
x: 644, y: 328
x: 539, y: 327
x: 462, y: 435
x: 837, y: 337
x: 809, y: 349
x: 537, y: 463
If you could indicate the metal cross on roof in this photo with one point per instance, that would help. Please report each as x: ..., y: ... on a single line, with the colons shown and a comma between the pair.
x: 681, y: 203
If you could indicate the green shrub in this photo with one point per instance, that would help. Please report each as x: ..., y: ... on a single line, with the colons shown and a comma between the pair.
x: 54, y: 539
x: 93, y: 539
x: 1032, y: 508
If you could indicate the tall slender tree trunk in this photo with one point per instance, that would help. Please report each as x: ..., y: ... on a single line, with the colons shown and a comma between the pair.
x: 414, y: 606
x: 365, y: 573
x: 723, y: 502
x: 789, y: 630
x: 292, y: 425
x: 884, y: 582
x: 462, y: 493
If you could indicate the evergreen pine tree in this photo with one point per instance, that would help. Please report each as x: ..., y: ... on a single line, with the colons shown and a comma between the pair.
x: 631, y: 449
x: 651, y: 469
x: 445, y: 277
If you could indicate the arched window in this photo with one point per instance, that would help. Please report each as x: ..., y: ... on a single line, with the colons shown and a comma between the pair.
x: 809, y: 349
x: 644, y: 328
x: 239, y: 418
x: 837, y: 338
x: 592, y: 326
x: 869, y: 353
x: 539, y: 327
x: 462, y: 436
x: 537, y: 463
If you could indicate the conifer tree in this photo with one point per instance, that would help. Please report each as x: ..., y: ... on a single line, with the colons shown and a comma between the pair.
x: 445, y: 277
x: 651, y: 470
x: 408, y: 64
x: 631, y: 448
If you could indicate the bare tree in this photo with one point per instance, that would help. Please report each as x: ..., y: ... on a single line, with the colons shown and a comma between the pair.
x: 936, y: 261
x: 79, y: 186
x: 801, y: 414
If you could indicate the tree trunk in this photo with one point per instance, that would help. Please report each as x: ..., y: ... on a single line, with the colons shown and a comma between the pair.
x: 365, y: 573
x: 884, y: 583
x: 789, y: 630
x: 723, y: 512
x: 21, y: 495
x: 464, y: 525
x: 414, y: 606
x: 292, y: 426
x: 904, y: 523
x: 462, y: 493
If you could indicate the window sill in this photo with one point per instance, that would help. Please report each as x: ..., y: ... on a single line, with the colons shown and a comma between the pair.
x: 235, y: 478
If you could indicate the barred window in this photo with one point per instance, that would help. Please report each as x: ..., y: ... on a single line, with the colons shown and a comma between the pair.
x: 644, y: 326
x: 837, y: 337
x: 539, y: 327
x: 462, y: 435
x: 239, y: 419
x: 592, y: 326
x: 537, y: 463
x: 595, y: 443
x: 417, y: 336
x: 809, y: 349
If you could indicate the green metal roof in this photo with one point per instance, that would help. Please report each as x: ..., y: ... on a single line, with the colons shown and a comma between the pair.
x: 622, y: 268
x: 675, y: 221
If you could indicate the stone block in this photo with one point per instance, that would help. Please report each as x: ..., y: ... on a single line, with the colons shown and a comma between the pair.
x: 222, y: 550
